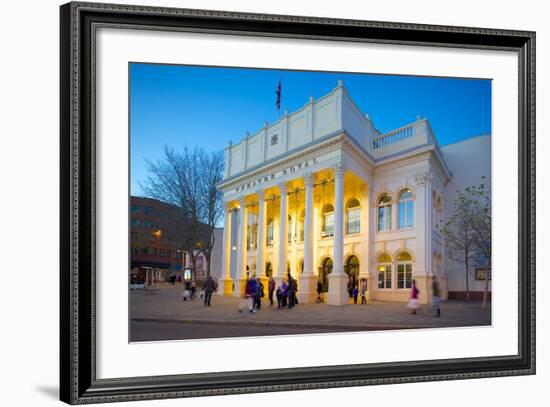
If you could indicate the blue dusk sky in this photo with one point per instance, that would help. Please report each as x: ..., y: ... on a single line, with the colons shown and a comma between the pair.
x: 180, y: 106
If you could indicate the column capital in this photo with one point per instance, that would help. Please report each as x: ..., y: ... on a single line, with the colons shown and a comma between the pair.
x: 423, y: 179
x: 242, y: 201
x: 308, y: 179
x: 283, y: 187
x: 261, y: 195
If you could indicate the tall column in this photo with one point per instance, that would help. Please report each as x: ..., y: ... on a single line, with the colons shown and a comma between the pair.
x: 225, y: 282
x: 338, y: 248
x: 307, y: 292
x: 240, y: 278
x: 283, y: 236
x: 260, y: 244
x: 337, y: 287
x: 260, y: 268
x: 423, y: 225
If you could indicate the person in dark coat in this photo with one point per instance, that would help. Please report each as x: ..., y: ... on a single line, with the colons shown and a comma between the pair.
x: 249, y: 293
x: 208, y: 287
x: 355, y: 293
x: 284, y: 294
x: 279, y: 295
x: 436, y: 299
x: 259, y: 294
x: 271, y: 290
x: 319, y: 291
x: 292, y: 286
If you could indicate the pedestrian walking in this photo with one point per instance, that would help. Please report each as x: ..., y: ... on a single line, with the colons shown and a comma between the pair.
x: 363, y: 287
x: 413, y: 304
x: 319, y: 291
x: 284, y: 294
x: 259, y: 294
x: 279, y: 295
x: 249, y: 293
x: 270, y: 290
x: 355, y: 293
x: 186, y: 293
x: 436, y: 299
x: 208, y: 288
x: 193, y: 290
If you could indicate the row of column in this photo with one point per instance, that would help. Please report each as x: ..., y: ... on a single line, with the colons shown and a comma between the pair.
x: 307, y: 279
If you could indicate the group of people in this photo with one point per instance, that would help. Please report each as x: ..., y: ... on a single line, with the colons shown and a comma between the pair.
x: 354, y: 288
x: 254, y: 292
x: 414, y: 303
x: 286, y: 293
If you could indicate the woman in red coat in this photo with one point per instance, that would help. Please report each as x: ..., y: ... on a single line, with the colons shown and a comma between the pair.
x: 413, y: 304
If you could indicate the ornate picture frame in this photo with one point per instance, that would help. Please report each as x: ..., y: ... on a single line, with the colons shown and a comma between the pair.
x: 79, y: 383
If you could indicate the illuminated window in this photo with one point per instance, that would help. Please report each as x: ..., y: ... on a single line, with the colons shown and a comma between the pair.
x: 289, y: 231
x: 301, y: 225
x: 384, y: 212
x: 327, y: 229
x: 404, y: 270
x: 353, y: 216
x: 406, y: 209
x: 252, y: 227
x: 384, y: 271
x: 269, y: 233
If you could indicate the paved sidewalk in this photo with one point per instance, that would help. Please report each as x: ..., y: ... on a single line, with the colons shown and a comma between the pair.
x: 167, y: 306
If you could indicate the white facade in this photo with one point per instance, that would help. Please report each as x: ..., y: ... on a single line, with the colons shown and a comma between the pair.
x: 350, y: 202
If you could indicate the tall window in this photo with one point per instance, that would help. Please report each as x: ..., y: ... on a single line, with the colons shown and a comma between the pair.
x: 327, y: 214
x: 269, y: 233
x: 406, y: 209
x: 384, y: 212
x: 353, y: 216
x: 384, y: 271
x: 290, y: 231
x: 252, y: 235
x: 404, y: 270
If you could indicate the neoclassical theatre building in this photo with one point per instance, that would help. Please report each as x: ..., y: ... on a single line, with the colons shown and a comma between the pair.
x: 323, y: 195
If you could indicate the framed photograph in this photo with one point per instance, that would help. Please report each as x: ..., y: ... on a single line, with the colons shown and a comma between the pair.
x: 255, y: 203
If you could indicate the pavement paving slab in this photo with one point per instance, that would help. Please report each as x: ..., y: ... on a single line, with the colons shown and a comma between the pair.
x: 166, y: 305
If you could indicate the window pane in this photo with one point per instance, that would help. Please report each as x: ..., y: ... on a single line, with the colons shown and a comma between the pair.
x: 402, y: 222
x: 353, y: 225
x: 410, y: 213
x: 400, y: 276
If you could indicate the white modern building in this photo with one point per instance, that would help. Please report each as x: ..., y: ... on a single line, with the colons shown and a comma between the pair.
x: 323, y: 195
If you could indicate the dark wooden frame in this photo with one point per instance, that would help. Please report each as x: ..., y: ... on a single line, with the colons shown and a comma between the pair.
x: 78, y: 382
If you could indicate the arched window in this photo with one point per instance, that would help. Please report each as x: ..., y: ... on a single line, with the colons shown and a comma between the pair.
x: 324, y: 271
x: 327, y: 229
x: 301, y: 266
x: 268, y: 270
x: 384, y: 212
x: 406, y: 209
x: 404, y: 270
x: 269, y: 233
x: 353, y: 216
x: 384, y: 271
x: 352, y: 270
x: 301, y: 225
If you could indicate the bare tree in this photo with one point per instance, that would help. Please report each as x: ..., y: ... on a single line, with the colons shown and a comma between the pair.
x: 483, y: 223
x: 187, y: 180
x: 465, y: 232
